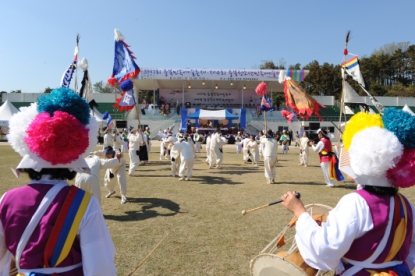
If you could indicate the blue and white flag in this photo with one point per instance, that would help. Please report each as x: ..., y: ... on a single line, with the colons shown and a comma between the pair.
x: 109, y: 120
x: 67, y: 76
x: 266, y: 104
x: 127, y: 99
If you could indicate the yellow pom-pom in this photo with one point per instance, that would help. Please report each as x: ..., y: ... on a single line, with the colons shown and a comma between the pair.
x: 358, y: 122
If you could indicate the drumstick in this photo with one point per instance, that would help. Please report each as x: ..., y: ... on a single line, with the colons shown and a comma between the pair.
x: 244, y: 212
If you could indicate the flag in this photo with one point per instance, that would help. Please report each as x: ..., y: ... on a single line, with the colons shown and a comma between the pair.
x: 67, y: 76
x: 109, y: 120
x: 266, y: 104
x: 299, y: 101
x: 352, y: 68
x: 124, y: 65
x: 126, y: 101
x: 86, y: 88
x: 105, y: 115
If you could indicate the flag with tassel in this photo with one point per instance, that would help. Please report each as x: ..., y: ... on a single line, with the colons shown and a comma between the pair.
x: 86, y: 86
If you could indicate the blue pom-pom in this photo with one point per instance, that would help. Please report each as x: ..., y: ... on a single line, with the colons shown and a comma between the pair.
x: 64, y: 99
x: 402, y: 124
x: 126, y: 85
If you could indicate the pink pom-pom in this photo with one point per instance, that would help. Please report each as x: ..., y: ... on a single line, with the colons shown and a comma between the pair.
x: 262, y: 89
x: 403, y: 174
x: 60, y: 139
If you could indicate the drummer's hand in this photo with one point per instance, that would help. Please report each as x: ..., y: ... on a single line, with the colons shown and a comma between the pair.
x: 293, y: 204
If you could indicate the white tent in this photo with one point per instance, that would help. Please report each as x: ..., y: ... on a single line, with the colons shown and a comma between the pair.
x: 6, y: 112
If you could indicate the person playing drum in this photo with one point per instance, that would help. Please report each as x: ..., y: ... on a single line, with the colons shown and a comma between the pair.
x: 371, y: 230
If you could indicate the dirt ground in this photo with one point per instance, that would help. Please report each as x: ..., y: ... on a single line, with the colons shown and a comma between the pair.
x: 207, y: 235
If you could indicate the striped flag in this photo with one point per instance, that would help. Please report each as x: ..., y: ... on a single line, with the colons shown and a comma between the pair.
x: 266, y: 104
x: 352, y: 68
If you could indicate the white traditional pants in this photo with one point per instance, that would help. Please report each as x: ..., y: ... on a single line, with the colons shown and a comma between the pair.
x: 161, y: 149
x: 245, y: 154
x: 175, y: 166
x: 269, y: 166
x: 304, y: 158
x: 124, y: 147
x: 122, y: 182
x: 255, y: 155
x: 238, y: 147
x: 285, y: 148
x: 197, y: 146
x: 217, y: 156
x: 186, y: 163
x: 134, y: 161
x: 325, y: 167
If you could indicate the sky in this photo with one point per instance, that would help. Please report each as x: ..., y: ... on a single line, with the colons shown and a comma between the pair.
x: 38, y: 37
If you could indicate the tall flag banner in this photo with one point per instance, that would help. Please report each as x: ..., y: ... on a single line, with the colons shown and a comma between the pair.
x: 124, y: 71
x: 352, y: 68
x: 299, y: 101
x: 124, y: 65
x: 67, y: 76
x: 86, y: 88
x: 266, y: 104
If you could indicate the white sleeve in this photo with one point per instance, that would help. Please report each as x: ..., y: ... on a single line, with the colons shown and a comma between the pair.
x: 109, y: 163
x: 99, y: 153
x: 323, y: 246
x: 97, y: 248
x: 318, y: 147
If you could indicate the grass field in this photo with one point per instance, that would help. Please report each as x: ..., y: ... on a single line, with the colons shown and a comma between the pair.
x: 207, y: 233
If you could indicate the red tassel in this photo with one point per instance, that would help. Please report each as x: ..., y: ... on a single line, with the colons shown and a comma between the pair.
x: 112, y: 82
x: 345, y: 52
x: 262, y: 89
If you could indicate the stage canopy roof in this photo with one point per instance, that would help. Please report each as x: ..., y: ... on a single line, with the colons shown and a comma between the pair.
x: 229, y: 79
x: 212, y: 115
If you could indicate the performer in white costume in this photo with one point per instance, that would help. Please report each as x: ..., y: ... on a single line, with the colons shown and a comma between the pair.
x: 371, y: 231
x: 254, y: 150
x: 208, y: 151
x: 163, y: 136
x: 324, y: 150
x: 108, y: 138
x: 304, y: 150
x: 89, y: 180
x: 118, y: 141
x: 216, y: 144
x: 186, y: 152
x: 238, y: 142
x: 134, y: 146
x: 270, y: 149
x: 197, y: 140
x: 245, y: 154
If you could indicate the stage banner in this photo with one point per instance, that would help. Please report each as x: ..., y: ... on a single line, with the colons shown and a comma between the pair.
x: 209, y: 74
x: 204, y: 98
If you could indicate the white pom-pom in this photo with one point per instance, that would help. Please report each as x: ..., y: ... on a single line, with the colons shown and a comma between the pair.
x: 373, y: 151
x: 92, y: 135
x: 18, y: 125
x: 118, y: 35
x: 83, y: 64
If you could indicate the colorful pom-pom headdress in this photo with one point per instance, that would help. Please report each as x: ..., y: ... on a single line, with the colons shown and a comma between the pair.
x: 55, y: 132
x: 380, y: 150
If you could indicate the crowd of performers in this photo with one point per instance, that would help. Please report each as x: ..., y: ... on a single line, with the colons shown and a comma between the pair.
x: 50, y: 227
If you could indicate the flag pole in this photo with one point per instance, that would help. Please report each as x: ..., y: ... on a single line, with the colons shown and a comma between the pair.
x: 345, y: 52
x: 265, y: 121
x: 136, y: 104
x: 76, y: 68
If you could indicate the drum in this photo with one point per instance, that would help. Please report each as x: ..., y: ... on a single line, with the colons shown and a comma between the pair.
x: 273, y: 261
x: 285, y: 142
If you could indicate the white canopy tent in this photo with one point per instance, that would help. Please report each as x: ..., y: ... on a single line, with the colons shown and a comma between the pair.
x: 6, y: 112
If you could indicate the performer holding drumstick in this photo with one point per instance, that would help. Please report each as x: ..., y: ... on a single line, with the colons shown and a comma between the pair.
x: 371, y: 230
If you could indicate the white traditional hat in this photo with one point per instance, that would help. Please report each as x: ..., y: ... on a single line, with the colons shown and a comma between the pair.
x: 55, y: 132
